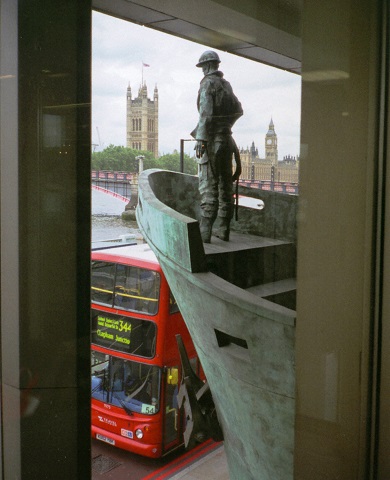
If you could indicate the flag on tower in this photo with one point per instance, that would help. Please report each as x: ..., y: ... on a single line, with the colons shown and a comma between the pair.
x: 144, y: 65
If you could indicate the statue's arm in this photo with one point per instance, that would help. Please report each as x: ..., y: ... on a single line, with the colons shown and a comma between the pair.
x: 205, y: 106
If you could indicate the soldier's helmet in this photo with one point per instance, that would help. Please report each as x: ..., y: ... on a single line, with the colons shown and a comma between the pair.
x: 208, y: 56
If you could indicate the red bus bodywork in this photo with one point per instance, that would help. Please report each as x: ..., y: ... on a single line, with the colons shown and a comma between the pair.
x: 120, y: 417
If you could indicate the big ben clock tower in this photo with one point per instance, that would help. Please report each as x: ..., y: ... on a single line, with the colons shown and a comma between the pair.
x: 271, y: 145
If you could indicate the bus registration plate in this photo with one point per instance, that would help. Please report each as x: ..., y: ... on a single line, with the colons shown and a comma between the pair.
x: 103, y: 438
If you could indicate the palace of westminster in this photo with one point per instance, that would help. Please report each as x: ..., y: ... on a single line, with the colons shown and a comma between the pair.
x: 142, y: 134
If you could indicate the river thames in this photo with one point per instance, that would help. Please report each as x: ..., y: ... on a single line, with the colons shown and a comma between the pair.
x: 107, y: 222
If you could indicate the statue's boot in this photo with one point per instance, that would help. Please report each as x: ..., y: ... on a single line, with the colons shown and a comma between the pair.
x: 205, y: 229
x: 223, y: 231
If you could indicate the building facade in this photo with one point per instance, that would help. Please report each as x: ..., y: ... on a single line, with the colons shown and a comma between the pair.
x: 269, y: 167
x: 142, y: 120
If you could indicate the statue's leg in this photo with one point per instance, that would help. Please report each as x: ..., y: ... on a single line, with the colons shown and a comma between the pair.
x: 225, y: 187
x: 208, y: 189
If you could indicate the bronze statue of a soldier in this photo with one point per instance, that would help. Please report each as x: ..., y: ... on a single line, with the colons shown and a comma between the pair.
x: 218, y: 110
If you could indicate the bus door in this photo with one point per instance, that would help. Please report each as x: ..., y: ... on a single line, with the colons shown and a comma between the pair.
x: 172, y: 434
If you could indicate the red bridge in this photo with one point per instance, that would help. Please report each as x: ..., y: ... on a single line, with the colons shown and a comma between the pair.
x: 116, y: 182
x: 119, y: 183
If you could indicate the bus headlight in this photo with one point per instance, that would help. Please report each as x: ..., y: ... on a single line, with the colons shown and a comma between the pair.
x: 139, y: 433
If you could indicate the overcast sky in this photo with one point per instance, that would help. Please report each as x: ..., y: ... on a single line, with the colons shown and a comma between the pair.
x: 120, y: 48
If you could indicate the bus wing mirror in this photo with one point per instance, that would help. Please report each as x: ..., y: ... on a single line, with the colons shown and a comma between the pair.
x: 173, y: 376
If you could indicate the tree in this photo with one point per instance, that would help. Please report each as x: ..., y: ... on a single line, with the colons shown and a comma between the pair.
x: 119, y: 158
x: 171, y: 161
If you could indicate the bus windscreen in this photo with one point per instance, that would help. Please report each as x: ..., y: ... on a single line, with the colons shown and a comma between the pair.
x: 124, y: 383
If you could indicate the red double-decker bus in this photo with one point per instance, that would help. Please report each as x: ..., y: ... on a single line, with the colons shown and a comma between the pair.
x: 135, y: 364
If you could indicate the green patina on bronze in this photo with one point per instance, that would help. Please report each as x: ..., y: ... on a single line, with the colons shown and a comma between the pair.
x: 238, y: 300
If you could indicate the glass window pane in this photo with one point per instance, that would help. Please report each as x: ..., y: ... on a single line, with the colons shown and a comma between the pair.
x: 137, y: 289
x: 133, y: 386
x: 102, y: 282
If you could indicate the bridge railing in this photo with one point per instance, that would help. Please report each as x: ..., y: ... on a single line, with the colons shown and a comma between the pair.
x: 282, y: 187
x: 124, y: 178
x: 110, y: 192
x: 121, y: 183
x: 109, y: 175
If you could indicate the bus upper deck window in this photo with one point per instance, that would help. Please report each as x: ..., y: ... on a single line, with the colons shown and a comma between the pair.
x: 137, y: 289
x: 102, y: 282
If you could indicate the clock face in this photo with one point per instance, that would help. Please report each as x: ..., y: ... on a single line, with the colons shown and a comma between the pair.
x: 269, y: 141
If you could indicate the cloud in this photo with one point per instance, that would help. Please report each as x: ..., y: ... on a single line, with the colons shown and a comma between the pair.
x: 120, y: 47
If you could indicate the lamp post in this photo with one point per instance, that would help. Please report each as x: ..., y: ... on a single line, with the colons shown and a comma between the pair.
x: 140, y: 160
x: 182, y: 140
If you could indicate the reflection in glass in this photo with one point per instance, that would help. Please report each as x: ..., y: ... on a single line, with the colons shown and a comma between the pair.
x: 53, y: 130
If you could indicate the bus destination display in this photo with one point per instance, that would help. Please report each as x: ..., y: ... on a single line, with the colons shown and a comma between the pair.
x: 124, y: 334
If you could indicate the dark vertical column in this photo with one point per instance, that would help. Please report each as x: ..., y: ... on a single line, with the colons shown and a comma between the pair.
x: 45, y: 238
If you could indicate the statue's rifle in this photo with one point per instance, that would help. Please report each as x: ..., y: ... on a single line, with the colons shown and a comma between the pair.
x: 237, y: 173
